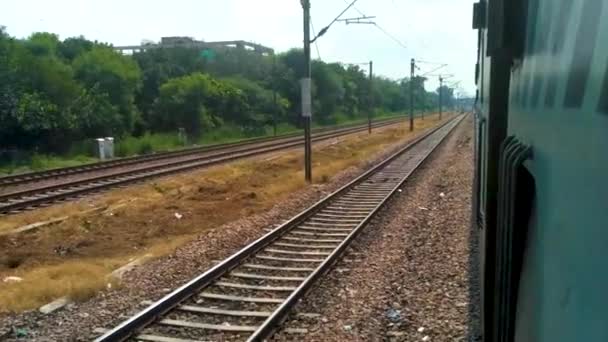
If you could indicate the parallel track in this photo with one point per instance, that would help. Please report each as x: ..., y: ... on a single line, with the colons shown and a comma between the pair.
x: 146, y: 167
x: 13, y: 180
x: 248, y: 295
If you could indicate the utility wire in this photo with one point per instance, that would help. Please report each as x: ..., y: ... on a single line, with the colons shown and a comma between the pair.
x: 441, y: 65
x: 356, y: 9
x: 437, y: 68
x: 324, y: 30
x: 362, y: 63
x: 426, y: 62
x: 381, y: 28
x: 453, y: 84
x: 316, y: 44
x: 407, y: 23
x: 390, y: 36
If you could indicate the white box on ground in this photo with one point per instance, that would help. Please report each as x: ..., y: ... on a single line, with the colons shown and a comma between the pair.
x: 109, y: 147
x: 100, y: 149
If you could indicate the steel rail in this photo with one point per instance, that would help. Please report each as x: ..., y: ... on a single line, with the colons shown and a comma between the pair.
x: 23, y: 193
x: 268, y: 327
x: 152, y: 313
x: 34, y: 197
x: 30, y: 177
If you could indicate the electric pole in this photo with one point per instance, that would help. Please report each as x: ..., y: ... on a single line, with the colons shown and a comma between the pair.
x: 306, y: 83
x: 440, y: 95
x: 442, y: 77
x: 274, y: 94
x: 413, y: 65
x: 452, y: 86
x: 306, y: 94
x: 371, y: 97
x: 429, y: 73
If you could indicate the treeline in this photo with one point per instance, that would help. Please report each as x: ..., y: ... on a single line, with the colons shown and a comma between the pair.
x: 54, y: 93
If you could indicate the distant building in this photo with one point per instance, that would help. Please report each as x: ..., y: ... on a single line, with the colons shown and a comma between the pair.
x: 177, y: 40
x: 189, y: 42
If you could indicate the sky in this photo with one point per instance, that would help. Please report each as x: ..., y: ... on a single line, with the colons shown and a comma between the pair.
x: 437, y: 31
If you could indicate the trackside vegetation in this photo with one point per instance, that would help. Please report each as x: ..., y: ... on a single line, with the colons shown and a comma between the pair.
x: 57, y: 95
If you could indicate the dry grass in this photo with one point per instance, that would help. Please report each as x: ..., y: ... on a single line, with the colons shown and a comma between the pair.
x: 79, y: 279
x: 73, y: 257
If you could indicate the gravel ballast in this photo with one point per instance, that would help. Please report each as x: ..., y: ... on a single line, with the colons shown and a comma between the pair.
x: 411, y: 275
x: 77, y: 322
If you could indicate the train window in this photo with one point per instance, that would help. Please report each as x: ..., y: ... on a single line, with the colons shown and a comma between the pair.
x: 603, y: 105
x: 559, y: 32
x: 583, y: 53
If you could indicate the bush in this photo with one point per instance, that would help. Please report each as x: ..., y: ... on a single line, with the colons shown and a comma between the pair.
x: 145, y: 144
x: 221, y: 134
x: 282, y: 128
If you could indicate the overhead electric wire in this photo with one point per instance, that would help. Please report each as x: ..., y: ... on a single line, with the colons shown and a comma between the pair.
x: 426, y: 62
x: 381, y: 28
x: 390, y: 36
x: 441, y: 65
x: 430, y: 72
x: 324, y: 30
x: 356, y: 9
x: 316, y: 44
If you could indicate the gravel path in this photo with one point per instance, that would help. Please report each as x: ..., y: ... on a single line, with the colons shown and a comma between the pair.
x: 416, y: 285
x: 151, y: 281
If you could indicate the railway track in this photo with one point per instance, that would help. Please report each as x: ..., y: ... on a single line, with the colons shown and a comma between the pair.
x: 30, y: 177
x: 102, y: 176
x: 248, y: 295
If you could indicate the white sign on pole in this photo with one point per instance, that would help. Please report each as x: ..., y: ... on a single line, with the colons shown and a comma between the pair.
x: 306, y: 97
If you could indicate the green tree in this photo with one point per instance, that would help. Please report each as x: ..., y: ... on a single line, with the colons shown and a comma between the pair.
x: 115, y: 75
x: 43, y: 44
x: 328, y: 92
x: 356, y: 85
x: 42, y: 88
x: 53, y: 93
x: 289, y: 73
x: 240, y: 62
x: 73, y: 47
x: 48, y: 75
x: 183, y: 102
x: 447, y: 93
x: 94, y: 115
x: 9, y: 94
x: 157, y: 67
x: 261, y: 102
